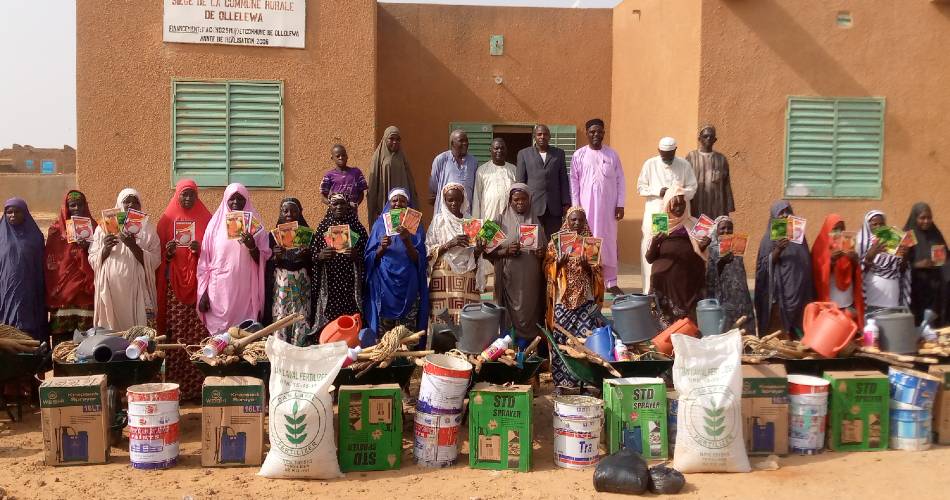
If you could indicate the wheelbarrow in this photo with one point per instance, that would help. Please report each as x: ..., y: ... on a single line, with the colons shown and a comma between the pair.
x: 13, y: 368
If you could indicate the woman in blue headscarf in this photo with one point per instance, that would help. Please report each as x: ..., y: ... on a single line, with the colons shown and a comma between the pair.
x: 396, y: 288
x: 783, y: 279
x: 22, y: 283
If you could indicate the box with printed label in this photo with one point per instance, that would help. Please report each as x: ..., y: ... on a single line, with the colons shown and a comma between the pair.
x: 370, y: 427
x: 858, y: 410
x: 74, y: 412
x: 765, y: 409
x: 499, y: 427
x: 636, y: 417
x: 941, y: 418
x: 232, y: 421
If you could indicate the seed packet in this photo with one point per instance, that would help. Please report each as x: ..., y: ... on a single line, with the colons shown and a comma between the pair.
x: 703, y: 227
x: 778, y: 229
x: 471, y: 227
x: 70, y: 231
x: 796, y: 229
x: 354, y: 238
x: 234, y: 224
x: 302, y: 237
x: 739, y: 243
x: 83, y: 228
x: 890, y: 236
x: 184, y: 232
x: 725, y: 244
x: 569, y: 244
x: 411, y: 219
x: 488, y: 230
x: 661, y: 224
x: 842, y: 241
x: 339, y: 237
x: 134, y: 220
x: 909, y: 239
x: 938, y: 254
x: 255, y: 225
x: 286, y: 233
x: 110, y: 220
x: 393, y: 220
x: 497, y: 239
x: 592, y: 249
x: 529, y: 237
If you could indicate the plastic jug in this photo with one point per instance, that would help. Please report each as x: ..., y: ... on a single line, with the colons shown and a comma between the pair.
x: 479, y: 326
x: 898, y: 332
x: 633, y: 319
x: 345, y: 328
x: 601, y: 342
x: 827, y: 328
x: 102, y: 348
x: 710, y: 316
x: 664, y: 343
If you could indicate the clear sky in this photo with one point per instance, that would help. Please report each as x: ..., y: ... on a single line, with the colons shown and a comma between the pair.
x: 38, y: 57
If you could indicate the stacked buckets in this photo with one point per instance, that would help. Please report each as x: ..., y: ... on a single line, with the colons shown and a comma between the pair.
x: 445, y: 381
x: 808, y: 408
x: 577, y: 424
x: 153, y: 425
x: 912, y: 400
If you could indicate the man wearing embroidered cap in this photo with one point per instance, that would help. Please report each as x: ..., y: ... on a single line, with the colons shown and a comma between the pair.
x: 658, y: 174
x: 597, y: 185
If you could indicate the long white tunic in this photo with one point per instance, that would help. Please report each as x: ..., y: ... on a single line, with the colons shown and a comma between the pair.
x: 492, y: 183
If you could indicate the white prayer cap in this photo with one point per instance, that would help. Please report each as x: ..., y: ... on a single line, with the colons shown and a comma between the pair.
x: 667, y: 144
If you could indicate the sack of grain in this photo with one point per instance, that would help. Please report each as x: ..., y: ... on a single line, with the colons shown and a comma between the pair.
x: 302, y: 445
x: 707, y: 374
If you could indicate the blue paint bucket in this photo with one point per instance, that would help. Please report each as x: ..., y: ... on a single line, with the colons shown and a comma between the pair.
x: 910, y: 427
x: 601, y: 342
x: 913, y: 387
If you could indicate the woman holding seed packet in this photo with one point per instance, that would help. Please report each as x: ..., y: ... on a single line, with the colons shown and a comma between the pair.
x: 124, y: 264
x: 287, y: 280
x: 835, y: 268
x: 783, y: 277
x: 397, y: 292
x: 231, y: 265
x: 927, y: 259
x: 677, y: 261
x: 575, y: 290
x: 338, y: 270
x: 726, y: 277
x: 886, y: 275
x: 70, y: 282
x: 452, y: 262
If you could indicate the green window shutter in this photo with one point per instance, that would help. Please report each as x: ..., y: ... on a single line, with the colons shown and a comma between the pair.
x: 834, y: 147
x: 479, y: 139
x: 564, y: 137
x: 227, y: 132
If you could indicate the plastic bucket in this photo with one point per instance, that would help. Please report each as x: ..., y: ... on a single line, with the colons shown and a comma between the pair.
x: 435, y: 442
x: 913, y: 387
x: 908, y: 444
x: 578, y: 421
x: 806, y: 384
x: 153, y: 425
x: 910, y: 422
x: 443, y: 385
x: 808, y: 410
x: 601, y: 342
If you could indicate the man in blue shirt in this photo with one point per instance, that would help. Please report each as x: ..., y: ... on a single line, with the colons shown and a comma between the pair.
x: 454, y: 165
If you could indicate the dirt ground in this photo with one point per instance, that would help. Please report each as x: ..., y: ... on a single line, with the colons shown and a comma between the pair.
x: 917, y: 475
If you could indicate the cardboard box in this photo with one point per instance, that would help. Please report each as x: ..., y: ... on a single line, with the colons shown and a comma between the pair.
x: 370, y: 427
x: 75, y: 417
x: 941, y: 422
x: 499, y: 427
x: 232, y: 421
x: 765, y: 409
x: 636, y: 417
x: 858, y: 410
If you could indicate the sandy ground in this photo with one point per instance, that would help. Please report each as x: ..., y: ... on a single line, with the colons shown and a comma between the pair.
x: 916, y: 475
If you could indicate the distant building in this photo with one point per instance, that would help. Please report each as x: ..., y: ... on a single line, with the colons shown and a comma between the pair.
x: 29, y: 160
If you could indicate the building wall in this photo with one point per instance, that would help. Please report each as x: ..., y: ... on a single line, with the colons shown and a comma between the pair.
x: 435, y: 68
x: 756, y: 54
x: 124, y: 72
x: 44, y: 193
x: 15, y: 159
x: 654, y: 93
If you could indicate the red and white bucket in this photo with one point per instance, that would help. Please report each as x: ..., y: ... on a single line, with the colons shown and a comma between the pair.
x: 578, y: 421
x: 444, y: 385
x: 808, y: 413
x: 436, y: 439
x: 153, y: 425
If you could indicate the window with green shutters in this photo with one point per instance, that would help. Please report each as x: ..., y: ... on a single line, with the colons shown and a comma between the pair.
x: 565, y: 137
x: 834, y: 147
x: 228, y: 131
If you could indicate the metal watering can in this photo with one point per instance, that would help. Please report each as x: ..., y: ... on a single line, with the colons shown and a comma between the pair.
x: 633, y: 320
x: 711, y: 317
x: 480, y: 326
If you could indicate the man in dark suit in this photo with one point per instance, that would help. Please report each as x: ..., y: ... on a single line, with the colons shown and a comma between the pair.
x: 544, y: 169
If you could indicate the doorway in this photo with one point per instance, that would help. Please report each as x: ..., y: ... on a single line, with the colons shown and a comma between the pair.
x: 517, y: 137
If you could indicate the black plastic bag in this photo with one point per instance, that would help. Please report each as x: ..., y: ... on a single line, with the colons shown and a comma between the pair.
x: 622, y: 472
x: 666, y: 480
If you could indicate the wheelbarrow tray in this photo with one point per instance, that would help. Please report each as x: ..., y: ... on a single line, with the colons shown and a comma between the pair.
x: 118, y: 373
x: 399, y: 372
x: 239, y: 369
x: 14, y: 366
x: 495, y: 372
x: 581, y: 370
x: 642, y: 368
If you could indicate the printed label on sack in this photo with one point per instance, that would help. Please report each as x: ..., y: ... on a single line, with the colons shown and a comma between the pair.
x: 712, y: 425
x: 301, y: 429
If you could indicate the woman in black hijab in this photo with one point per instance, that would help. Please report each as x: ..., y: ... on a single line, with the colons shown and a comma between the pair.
x: 783, y: 280
x: 926, y: 274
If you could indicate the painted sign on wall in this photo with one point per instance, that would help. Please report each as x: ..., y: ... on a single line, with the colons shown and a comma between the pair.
x: 258, y: 23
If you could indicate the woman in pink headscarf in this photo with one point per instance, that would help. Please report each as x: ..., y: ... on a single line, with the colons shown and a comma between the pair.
x: 231, y: 271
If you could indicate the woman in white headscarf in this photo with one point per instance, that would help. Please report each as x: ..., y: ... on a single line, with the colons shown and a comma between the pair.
x: 886, y: 276
x: 452, y: 261
x: 124, y: 265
